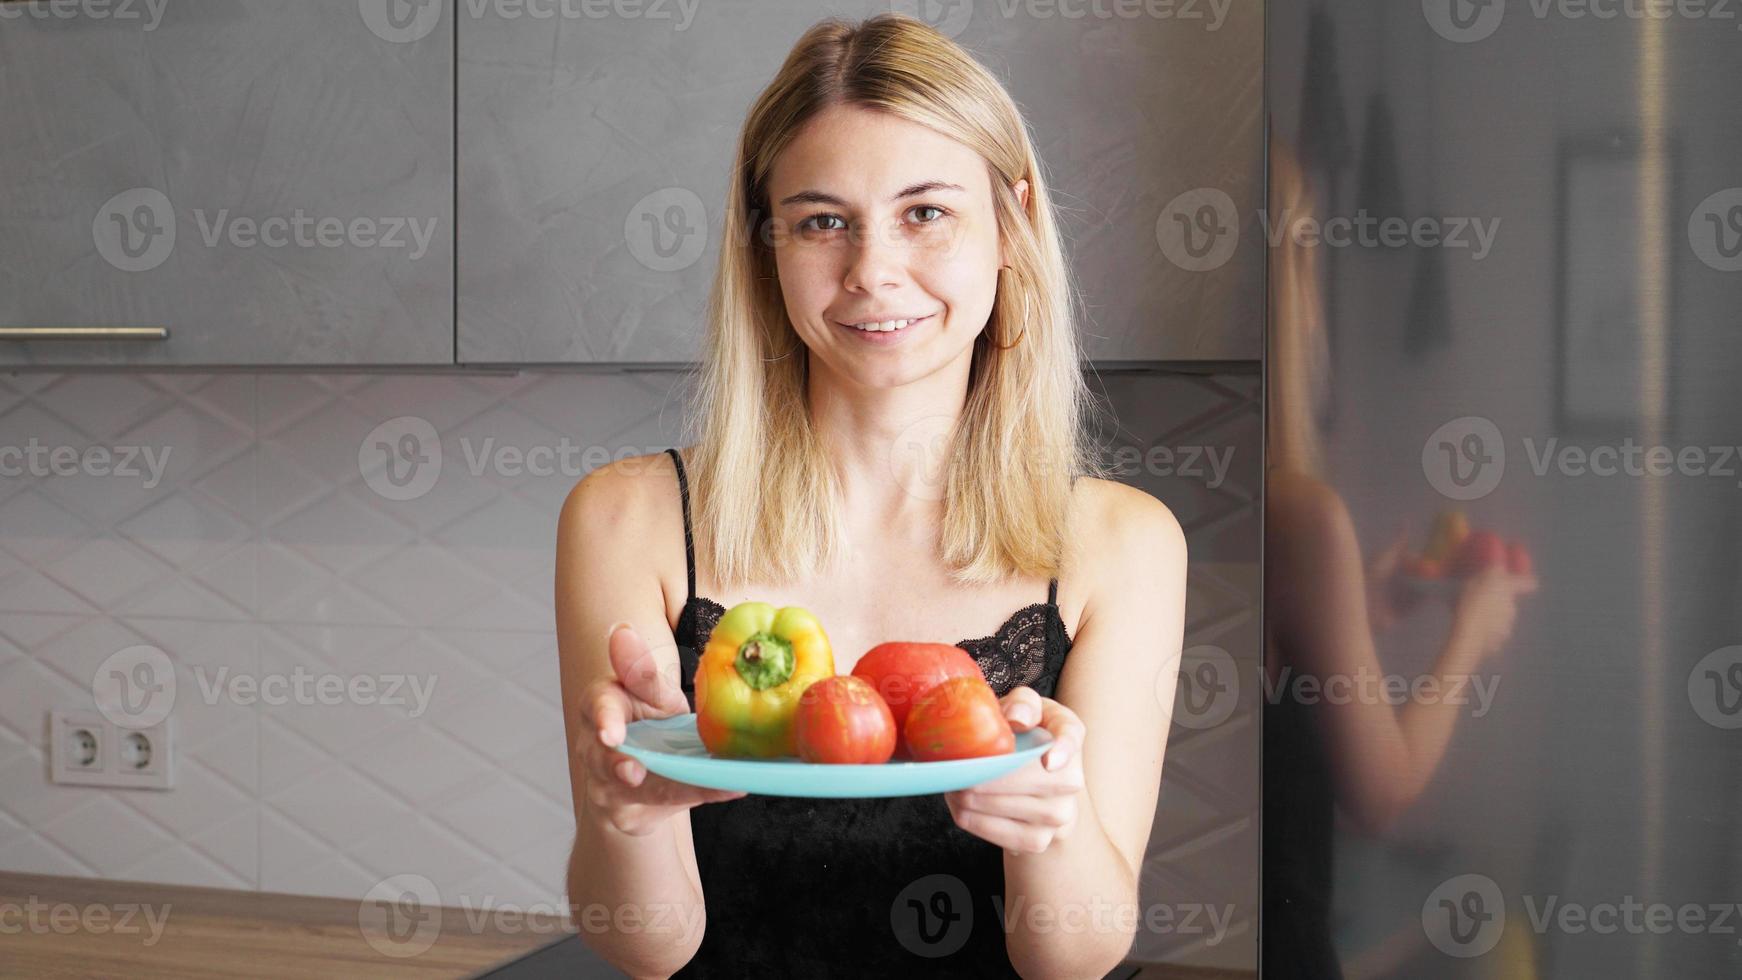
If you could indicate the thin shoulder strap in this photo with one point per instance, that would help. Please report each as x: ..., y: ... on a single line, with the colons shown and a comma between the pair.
x: 1052, y: 592
x: 689, y: 546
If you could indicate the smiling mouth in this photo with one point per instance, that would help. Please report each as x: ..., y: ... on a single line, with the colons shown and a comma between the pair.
x: 888, y: 326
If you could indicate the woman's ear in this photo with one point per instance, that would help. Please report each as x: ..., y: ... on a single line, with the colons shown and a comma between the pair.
x: 1021, y: 189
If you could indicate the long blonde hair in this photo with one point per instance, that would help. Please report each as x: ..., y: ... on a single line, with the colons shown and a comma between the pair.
x: 1298, y: 357
x: 768, y: 497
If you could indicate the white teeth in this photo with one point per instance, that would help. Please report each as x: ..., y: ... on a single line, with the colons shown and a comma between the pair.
x: 884, y: 326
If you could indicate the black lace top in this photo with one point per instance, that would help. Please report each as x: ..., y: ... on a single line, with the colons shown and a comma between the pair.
x: 803, y: 887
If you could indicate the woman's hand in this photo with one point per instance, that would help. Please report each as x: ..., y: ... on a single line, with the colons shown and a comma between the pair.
x: 1025, y: 811
x: 620, y: 790
x: 1486, y: 608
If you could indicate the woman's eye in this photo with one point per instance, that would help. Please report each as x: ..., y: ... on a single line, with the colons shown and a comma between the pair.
x: 816, y: 222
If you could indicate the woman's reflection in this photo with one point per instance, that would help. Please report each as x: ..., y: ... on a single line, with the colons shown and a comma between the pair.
x: 1323, y: 609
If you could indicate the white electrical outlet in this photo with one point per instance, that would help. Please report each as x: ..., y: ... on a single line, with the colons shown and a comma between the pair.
x: 87, y: 749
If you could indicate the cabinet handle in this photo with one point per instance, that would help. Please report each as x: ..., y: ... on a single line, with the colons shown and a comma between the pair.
x: 84, y: 333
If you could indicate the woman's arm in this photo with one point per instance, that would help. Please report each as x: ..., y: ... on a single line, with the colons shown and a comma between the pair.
x: 637, y: 900
x: 1072, y: 910
x: 1316, y: 604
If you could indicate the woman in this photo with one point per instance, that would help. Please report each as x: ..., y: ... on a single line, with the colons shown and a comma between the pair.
x: 1322, y: 609
x: 883, y: 177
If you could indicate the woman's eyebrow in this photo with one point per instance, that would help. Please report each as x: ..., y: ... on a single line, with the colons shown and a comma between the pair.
x: 818, y: 197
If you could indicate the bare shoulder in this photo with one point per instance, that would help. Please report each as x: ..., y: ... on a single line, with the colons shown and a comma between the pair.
x: 626, y: 495
x: 1129, y: 541
x: 1300, y: 507
x: 621, y: 527
x: 1122, y: 520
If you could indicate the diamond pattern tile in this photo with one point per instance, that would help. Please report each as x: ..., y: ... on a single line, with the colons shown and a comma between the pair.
x: 264, y: 551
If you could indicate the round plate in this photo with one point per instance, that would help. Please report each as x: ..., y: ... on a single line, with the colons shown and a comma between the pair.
x: 671, y: 748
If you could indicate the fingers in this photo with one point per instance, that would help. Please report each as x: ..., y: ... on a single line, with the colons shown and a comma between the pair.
x: 641, y: 672
x: 1030, y: 780
x: 1012, y: 835
x: 1022, y: 708
x: 1044, y: 811
x: 1393, y: 553
x: 607, y: 709
x: 1067, y: 732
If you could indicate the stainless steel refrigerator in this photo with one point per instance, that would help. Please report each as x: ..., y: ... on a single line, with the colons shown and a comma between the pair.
x: 1503, y: 686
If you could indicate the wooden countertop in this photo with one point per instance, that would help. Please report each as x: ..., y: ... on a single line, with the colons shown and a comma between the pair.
x: 91, y: 927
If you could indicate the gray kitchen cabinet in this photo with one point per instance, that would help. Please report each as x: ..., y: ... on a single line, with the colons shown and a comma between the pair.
x: 271, y: 182
x: 595, y: 140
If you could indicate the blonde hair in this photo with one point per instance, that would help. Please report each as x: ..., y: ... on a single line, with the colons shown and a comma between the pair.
x: 768, y: 500
x: 1297, y: 360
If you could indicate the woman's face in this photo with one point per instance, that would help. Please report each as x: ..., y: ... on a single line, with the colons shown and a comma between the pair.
x: 877, y: 218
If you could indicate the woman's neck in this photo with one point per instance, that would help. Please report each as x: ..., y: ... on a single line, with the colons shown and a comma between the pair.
x: 888, y: 444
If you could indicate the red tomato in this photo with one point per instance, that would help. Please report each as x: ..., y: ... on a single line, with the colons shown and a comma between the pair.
x: 841, y: 719
x: 1481, y: 549
x: 901, y: 672
x: 959, y: 718
x: 1518, y: 558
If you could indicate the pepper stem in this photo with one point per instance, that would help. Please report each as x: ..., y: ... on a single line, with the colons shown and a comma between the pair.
x: 765, y: 660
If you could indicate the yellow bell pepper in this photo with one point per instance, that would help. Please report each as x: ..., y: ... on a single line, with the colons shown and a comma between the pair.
x: 757, y: 663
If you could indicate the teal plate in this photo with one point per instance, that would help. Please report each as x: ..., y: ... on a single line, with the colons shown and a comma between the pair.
x: 671, y: 748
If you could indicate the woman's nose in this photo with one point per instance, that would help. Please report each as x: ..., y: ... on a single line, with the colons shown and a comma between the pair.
x: 876, y: 258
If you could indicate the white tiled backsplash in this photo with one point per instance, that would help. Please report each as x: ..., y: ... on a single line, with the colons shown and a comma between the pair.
x: 267, y: 544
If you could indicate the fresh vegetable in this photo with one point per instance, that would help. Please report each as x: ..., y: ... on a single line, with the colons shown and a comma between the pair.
x: 758, y: 662
x: 958, y: 718
x: 1450, y: 529
x: 1518, y: 560
x: 901, y: 672
x: 842, y: 719
x: 1480, y: 550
